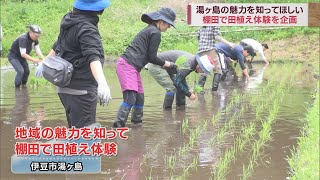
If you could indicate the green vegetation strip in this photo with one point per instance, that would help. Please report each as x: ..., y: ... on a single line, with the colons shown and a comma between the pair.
x: 264, y: 136
x: 172, y: 159
x: 279, y: 91
x: 304, y: 162
x: 270, y: 93
x: 245, y: 137
x: 16, y: 14
x: 241, y: 141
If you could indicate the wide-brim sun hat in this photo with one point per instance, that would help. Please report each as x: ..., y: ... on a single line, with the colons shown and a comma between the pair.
x: 206, y: 63
x: 91, y: 5
x: 166, y: 14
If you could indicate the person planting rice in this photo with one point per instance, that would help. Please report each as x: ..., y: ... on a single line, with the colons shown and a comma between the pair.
x: 200, y: 64
x: 142, y: 49
x: 166, y: 77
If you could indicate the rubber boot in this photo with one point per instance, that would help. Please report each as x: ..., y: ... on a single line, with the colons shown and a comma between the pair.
x: 216, y: 80
x: 136, y: 116
x: 224, y: 66
x: 168, y: 100
x: 224, y: 74
x: 250, y: 67
x: 180, y: 100
x: 122, y: 116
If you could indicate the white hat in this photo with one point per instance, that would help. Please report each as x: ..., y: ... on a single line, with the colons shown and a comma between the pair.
x: 205, y: 62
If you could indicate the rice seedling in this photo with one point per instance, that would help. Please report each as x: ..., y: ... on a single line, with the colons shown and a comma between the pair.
x: 183, y: 150
x: 253, y: 100
x: 170, y: 161
x: 150, y: 175
x: 259, y: 110
x: 264, y: 136
x: 215, y: 118
x: 185, y: 126
x: 294, y: 75
x: 186, y: 170
x: 38, y: 82
x: 154, y: 150
x: 212, y: 140
x: 241, y: 141
x: 149, y: 154
x: 274, y: 93
x: 220, y: 170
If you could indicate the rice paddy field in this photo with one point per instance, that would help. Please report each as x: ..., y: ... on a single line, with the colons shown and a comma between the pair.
x: 245, y: 130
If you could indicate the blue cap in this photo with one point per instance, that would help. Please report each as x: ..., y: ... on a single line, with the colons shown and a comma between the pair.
x: 91, y: 5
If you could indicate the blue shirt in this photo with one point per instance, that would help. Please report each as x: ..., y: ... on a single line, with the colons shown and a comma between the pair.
x: 235, y: 53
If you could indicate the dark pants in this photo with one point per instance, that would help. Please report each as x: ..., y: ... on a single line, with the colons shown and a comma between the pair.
x: 22, y: 69
x: 80, y: 109
x: 180, y: 99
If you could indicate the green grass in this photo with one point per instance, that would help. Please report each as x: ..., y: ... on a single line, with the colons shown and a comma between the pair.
x: 304, y: 162
x: 118, y: 25
x: 4, y: 62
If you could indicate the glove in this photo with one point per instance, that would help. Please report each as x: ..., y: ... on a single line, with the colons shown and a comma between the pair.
x: 39, y: 70
x: 103, y: 92
x: 172, y: 69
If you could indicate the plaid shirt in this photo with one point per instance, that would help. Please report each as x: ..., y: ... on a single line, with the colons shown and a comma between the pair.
x: 207, y: 37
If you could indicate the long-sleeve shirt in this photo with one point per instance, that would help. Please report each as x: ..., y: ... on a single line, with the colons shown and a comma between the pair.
x: 172, y: 56
x: 236, y: 53
x: 80, y: 44
x: 180, y: 80
x: 257, y: 47
x: 144, y: 48
x: 207, y: 37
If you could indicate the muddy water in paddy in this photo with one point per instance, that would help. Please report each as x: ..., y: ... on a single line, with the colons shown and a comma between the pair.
x: 144, y: 154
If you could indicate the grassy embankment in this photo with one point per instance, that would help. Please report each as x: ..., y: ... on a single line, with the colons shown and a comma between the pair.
x: 304, y: 162
x: 121, y: 21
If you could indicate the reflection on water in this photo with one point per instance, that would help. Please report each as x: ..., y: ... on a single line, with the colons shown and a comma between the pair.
x: 256, y: 77
x: 144, y: 153
x: 19, y: 112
